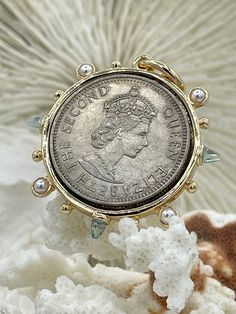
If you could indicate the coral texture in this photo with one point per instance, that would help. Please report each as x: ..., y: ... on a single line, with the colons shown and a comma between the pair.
x: 41, y: 44
x: 77, y: 299
x: 37, y: 267
x: 72, y: 233
x: 170, y: 254
x: 214, y: 299
x: 216, y: 243
x: 15, y: 302
x: 72, y: 285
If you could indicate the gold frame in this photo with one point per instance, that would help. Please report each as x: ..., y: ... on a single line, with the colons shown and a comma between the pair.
x: 144, y: 210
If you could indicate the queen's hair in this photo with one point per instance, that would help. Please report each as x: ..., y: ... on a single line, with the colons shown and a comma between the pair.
x: 122, y: 114
x: 109, y: 128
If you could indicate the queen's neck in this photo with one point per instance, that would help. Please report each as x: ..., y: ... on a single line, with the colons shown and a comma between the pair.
x: 111, y: 153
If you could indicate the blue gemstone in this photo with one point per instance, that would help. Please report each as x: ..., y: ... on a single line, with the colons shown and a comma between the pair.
x: 34, y: 122
x: 210, y: 155
x: 97, y: 228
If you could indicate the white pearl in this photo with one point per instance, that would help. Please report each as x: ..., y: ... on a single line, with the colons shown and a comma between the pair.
x: 198, y: 95
x: 166, y: 214
x: 85, y: 69
x: 41, y: 185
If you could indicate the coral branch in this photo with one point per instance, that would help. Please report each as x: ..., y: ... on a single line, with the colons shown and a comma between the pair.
x: 169, y: 254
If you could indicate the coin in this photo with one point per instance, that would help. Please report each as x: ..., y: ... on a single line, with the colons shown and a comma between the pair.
x: 120, y: 141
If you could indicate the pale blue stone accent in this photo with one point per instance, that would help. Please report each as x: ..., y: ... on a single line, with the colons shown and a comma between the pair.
x: 34, y: 122
x: 210, y: 155
x: 97, y: 228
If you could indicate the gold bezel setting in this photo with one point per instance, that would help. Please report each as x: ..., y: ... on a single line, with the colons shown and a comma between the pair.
x: 158, y: 71
x: 145, y: 209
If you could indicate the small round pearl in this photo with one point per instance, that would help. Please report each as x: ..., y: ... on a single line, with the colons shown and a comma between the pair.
x: 198, y: 95
x: 85, y: 69
x: 41, y: 185
x: 166, y: 214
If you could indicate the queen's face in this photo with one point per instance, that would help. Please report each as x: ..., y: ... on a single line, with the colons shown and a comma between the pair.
x: 134, y: 140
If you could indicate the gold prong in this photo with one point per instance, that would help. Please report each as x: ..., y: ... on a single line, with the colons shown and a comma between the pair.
x: 200, y: 155
x: 58, y: 94
x: 67, y: 208
x: 116, y: 64
x: 203, y: 123
x: 100, y: 216
x: 37, y: 155
x: 137, y: 221
x: 191, y: 187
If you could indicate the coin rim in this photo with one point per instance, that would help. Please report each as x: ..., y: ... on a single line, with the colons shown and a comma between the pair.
x: 142, y: 210
x: 129, y: 202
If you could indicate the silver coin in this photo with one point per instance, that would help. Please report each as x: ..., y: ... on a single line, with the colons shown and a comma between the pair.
x: 120, y: 140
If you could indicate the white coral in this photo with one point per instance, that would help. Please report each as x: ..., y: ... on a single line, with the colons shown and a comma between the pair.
x: 37, y: 268
x: 38, y: 56
x: 170, y: 254
x: 42, y: 42
x: 116, y: 279
x: 73, y: 286
x: 15, y: 302
x: 68, y: 298
x: 72, y: 233
x: 71, y: 299
x: 214, y: 299
x: 46, y: 281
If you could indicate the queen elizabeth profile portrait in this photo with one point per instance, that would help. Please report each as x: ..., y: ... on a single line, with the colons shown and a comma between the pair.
x: 122, y: 132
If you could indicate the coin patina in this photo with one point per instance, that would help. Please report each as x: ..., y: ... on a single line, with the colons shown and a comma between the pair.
x: 122, y: 142
x: 119, y: 141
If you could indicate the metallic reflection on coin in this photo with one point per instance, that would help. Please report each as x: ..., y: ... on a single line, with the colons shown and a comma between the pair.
x: 120, y: 140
